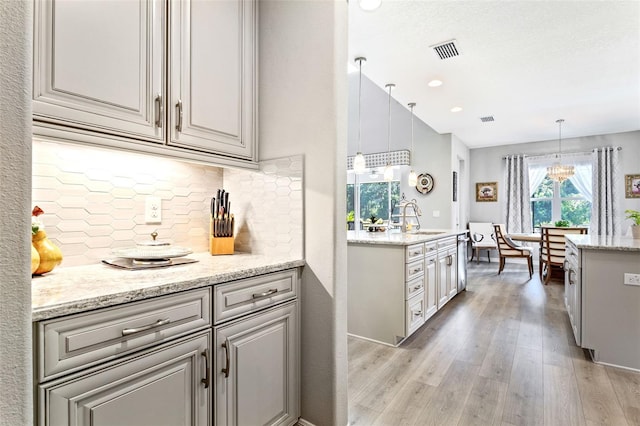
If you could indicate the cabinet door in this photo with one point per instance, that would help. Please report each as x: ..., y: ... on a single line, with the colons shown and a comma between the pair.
x: 99, y: 65
x: 441, y: 277
x: 161, y: 387
x: 430, y: 287
x: 212, y: 84
x: 452, y: 276
x: 257, y: 369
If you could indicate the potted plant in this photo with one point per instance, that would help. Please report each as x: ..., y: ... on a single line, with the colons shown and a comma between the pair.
x: 634, y: 215
x: 351, y: 217
x: 563, y: 224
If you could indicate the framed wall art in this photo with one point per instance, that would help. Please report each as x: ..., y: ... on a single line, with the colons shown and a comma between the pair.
x: 632, y: 186
x: 486, y: 191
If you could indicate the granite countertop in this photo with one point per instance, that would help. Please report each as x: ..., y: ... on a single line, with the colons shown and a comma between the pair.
x: 82, y: 288
x: 604, y: 242
x: 395, y: 237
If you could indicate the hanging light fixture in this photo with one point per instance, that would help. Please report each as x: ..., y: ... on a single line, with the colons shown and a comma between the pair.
x: 388, y: 170
x: 359, y: 162
x: 369, y: 4
x: 413, y: 177
x: 560, y: 172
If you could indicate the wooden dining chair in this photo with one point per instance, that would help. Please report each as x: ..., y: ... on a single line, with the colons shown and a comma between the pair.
x: 552, y: 243
x: 508, y: 249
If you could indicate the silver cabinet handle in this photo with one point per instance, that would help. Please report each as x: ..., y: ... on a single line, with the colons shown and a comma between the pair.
x: 416, y: 253
x: 227, y: 365
x: 449, y: 260
x: 571, y: 271
x: 179, y: 112
x: 159, y: 111
x: 160, y: 322
x: 265, y: 294
x: 207, y: 367
x: 416, y: 288
x: 417, y: 314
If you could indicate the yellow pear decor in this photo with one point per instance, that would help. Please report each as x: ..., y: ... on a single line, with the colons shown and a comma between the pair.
x: 35, y: 259
x: 50, y: 254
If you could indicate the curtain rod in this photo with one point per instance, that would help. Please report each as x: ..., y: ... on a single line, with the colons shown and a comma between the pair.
x: 619, y: 148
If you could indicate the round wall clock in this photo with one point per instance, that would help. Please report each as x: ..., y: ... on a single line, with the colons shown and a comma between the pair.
x: 425, y: 183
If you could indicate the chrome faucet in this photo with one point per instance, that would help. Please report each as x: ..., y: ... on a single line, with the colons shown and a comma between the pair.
x: 404, y: 214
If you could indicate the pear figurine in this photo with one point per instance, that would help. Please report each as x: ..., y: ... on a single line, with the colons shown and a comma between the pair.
x: 49, y: 254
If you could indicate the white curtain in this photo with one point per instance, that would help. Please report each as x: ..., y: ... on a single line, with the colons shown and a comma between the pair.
x: 518, y: 201
x: 606, y: 174
x: 537, y: 172
x: 583, y: 180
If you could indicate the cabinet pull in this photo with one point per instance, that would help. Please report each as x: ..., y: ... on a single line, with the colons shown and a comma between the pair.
x: 449, y: 260
x: 159, y: 111
x: 265, y: 294
x: 207, y: 367
x: 227, y: 365
x: 417, y: 314
x: 416, y: 288
x: 571, y: 271
x: 179, y: 112
x: 160, y: 322
x: 416, y: 253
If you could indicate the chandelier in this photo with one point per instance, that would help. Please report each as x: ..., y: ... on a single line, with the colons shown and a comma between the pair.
x: 560, y: 172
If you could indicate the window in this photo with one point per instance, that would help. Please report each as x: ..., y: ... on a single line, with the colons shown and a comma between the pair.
x: 374, y: 198
x: 552, y: 201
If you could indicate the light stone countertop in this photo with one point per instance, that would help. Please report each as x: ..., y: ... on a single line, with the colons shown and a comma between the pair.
x: 395, y: 237
x: 604, y: 242
x: 65, y: 291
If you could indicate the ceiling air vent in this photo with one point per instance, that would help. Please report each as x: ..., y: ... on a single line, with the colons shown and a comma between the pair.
x: 487, y: 118
x: 446, y: 50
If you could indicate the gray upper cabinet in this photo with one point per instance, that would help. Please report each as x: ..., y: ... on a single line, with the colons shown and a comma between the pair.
x: 212, y: 68
x: 100, y: 66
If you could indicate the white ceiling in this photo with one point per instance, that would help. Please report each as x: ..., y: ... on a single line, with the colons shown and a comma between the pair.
x: 527, y: 63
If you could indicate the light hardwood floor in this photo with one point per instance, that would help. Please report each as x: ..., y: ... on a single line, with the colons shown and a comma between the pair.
x: 501, y: 353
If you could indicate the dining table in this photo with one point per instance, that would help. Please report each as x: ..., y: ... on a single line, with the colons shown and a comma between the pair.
x: 532, y: 237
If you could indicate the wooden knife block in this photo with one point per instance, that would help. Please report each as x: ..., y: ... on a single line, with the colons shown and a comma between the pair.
x: 220, y: 245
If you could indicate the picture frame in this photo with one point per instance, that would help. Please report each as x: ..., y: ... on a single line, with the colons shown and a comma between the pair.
x: 486, y: 191
x: 631, y: 186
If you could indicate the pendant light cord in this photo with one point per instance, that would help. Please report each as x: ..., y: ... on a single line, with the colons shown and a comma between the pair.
x: 360, y: 59
x: 411, y: 105
x: 559, y: 121
x: 390, y: 86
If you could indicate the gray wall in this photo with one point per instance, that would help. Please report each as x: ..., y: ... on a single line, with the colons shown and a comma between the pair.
x: 15, y: 211
x: 432, y: 151
x: 303, y: 110
x: 487, y: 166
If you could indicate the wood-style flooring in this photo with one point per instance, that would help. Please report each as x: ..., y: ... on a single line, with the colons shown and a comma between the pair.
x: 501, y: 353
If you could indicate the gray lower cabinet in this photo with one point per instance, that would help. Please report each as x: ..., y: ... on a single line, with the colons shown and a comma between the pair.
x: 168, y: 386
x: 256, y: 369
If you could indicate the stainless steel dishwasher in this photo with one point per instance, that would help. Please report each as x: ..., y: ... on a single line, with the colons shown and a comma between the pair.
x: 463, y: 241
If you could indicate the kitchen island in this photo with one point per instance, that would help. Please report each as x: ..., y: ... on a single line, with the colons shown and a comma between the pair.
x: 396, y: 281
x: 602, y: 296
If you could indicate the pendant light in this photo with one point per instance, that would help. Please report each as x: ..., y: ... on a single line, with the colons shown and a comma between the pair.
x: 413, y: 177
x: 388, y: 170
x: 369, y: 4
x: 359, y: 162
x: 560, y: 172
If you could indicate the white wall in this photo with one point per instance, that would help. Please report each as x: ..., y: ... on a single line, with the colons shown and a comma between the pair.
x: 432, y: 151
x: 487, y: 166
x: 303, y: 110
x: 15, y: 211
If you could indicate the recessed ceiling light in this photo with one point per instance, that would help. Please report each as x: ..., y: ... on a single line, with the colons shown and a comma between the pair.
x: 369, y: 4
x: 456, y: 109
x: 434, y: 83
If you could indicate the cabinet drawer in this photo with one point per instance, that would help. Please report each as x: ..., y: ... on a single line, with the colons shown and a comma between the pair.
x: 78, y: 341
x: 415, y: 313
x: 414, y: 287
x: 245, y: 296
x: 430, y: 248
x: 446, y: 243
x: 414, y: 252
x: 414, y: 270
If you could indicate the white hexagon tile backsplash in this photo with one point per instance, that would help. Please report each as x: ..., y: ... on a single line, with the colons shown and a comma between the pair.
x: 94, y: 201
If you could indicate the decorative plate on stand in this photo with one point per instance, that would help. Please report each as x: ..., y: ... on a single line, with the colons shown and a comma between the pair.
x: 425, y: 183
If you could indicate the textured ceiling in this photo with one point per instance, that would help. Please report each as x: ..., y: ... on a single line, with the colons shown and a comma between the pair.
x: 526, y: 63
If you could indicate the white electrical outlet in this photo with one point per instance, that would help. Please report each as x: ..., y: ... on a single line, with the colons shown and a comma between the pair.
x: 153, y: 210
x: 632, y: 279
